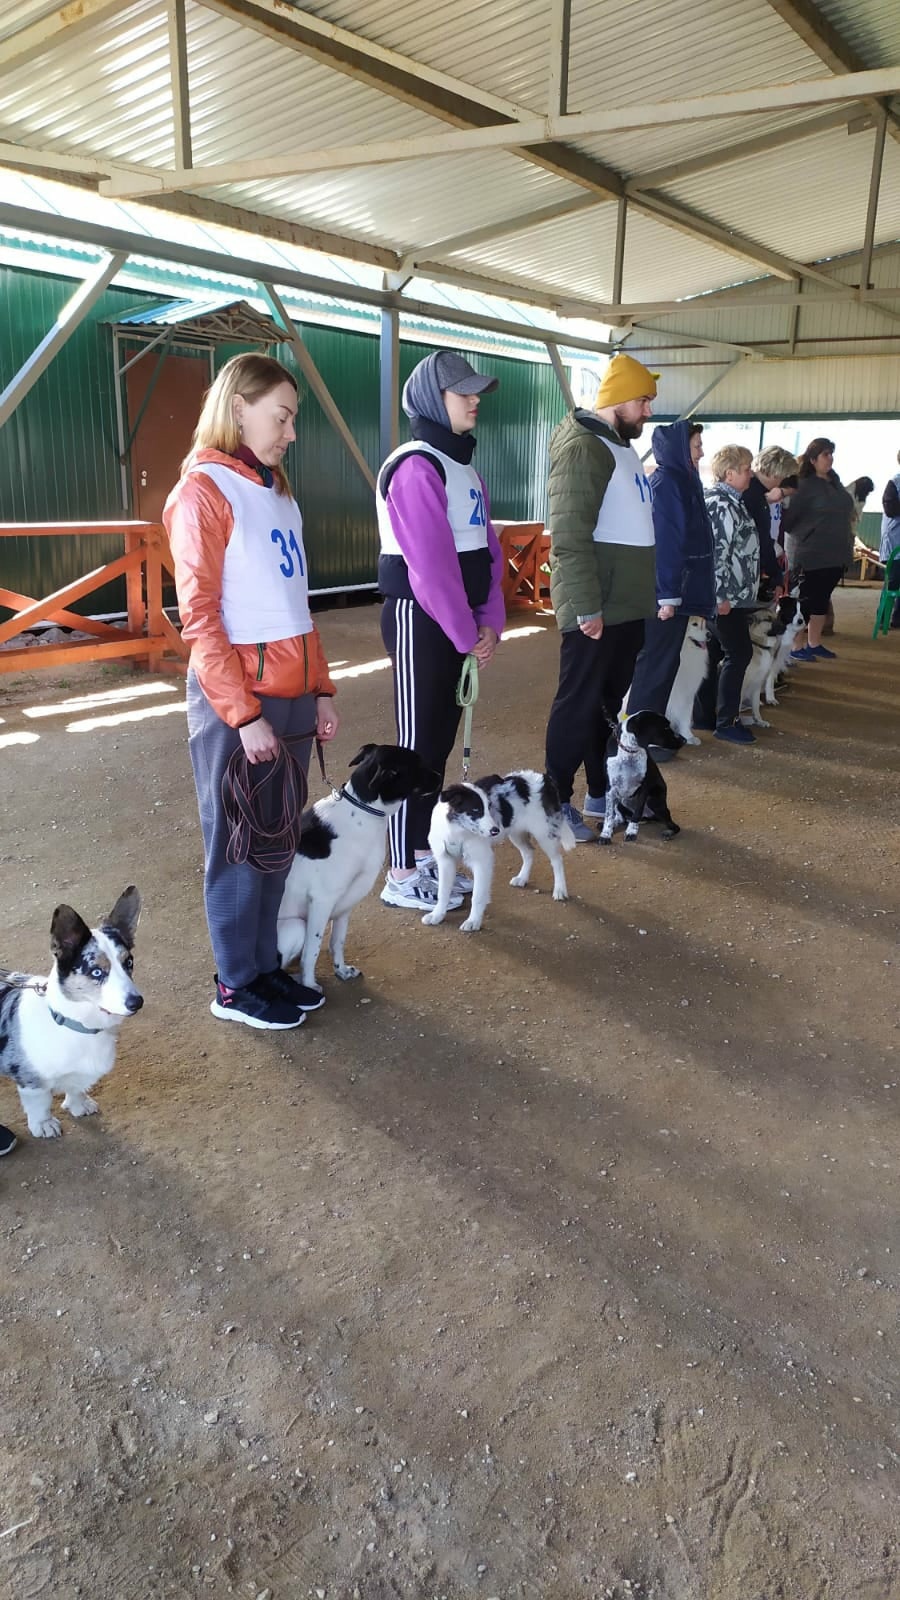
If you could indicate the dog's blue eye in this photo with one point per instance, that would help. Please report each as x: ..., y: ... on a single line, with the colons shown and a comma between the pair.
x: 128, y: 963
x: 98, y: 973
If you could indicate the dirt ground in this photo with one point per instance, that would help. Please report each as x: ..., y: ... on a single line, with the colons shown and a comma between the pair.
x: 558, y: 1260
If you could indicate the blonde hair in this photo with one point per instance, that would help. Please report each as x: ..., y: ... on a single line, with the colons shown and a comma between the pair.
x: 773, y: 462
x: 731, y: 458
x: 252, y: 376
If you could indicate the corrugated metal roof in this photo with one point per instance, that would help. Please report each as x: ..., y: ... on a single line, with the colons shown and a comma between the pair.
x: 104, y: 91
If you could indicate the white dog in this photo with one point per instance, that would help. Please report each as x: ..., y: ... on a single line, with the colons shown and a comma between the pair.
x: 471, y: 818
x: 693, y: 669
x: 342, y: 843
x: 765, y: 632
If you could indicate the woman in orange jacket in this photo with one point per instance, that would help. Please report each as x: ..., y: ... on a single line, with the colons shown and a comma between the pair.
x: 257, y: 673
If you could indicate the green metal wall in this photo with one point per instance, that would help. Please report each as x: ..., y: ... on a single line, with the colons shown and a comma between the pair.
x: 58, y: 452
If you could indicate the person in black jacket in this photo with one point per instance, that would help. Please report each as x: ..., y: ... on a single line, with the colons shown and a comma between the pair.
x: 685, y: 578
x: 764, y: 500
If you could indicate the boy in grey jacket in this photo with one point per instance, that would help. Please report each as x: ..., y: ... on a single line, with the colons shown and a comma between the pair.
x: 736, y: 541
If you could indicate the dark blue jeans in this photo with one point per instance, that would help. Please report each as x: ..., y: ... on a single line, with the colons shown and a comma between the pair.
x: 730, y: 650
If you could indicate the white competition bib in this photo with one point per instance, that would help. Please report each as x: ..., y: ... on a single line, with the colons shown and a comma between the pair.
x: 265, y: 588
x: 466, y: 511
x: 626, y: 515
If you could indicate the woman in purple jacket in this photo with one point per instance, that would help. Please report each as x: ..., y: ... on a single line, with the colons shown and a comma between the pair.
x: 440, y: 572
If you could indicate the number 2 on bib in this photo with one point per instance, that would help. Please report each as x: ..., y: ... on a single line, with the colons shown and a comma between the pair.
x: 478, y: 518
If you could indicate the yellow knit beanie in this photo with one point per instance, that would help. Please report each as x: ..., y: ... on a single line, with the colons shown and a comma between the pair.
x: 625, y: 379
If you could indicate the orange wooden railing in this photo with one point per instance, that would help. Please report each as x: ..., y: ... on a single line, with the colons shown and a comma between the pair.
x: 149, y: 635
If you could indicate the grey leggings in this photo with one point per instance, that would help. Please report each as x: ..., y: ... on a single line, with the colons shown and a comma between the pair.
x: 241, y: 903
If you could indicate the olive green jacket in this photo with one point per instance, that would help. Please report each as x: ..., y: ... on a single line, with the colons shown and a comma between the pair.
x: 588, y: 579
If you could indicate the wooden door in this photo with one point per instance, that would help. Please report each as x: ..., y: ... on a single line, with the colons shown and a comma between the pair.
x: 166, y: 427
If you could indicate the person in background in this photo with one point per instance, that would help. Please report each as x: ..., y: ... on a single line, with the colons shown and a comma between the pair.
x: 685, y: 573
x: 818, y: 523
x: 258, y: 674
x: 736, y: 541
x: 763, y: 498
x: 440, y: 573
x: 602, y: 580
x: 890, y: 531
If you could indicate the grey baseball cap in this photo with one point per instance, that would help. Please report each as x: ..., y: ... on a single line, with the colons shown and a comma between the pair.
x: 455, y: 372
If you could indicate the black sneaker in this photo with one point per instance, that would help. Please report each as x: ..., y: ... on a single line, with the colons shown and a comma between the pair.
x: 8, y: 1141
x: 245, y: 1005
x: 279, y: 985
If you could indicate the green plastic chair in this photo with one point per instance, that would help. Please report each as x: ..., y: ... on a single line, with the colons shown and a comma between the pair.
x: 890, y: 594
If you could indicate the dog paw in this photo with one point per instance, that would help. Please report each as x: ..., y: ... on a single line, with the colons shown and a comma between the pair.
x: 80, y: 1105
x: 519, y: 881
x: 471, y: 925
x: 49, y: 1128
x: 761, y: 722
x: 692, y: 739
x: 669, y: 833
x: 604, y: 838
x: 431, y: 919
x: 560, y: 894
x: 630, y: 835
x: 345, y: 972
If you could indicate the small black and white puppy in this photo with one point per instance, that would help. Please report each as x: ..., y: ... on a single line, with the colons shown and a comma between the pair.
x: 342, y: 844
x: 58, y: 1035
x: 470, y: 819
x: 634, y: 783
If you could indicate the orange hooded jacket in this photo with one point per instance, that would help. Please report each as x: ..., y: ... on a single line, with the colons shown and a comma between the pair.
x: 199, y: 522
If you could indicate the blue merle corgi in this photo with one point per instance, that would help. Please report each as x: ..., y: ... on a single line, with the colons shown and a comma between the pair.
x: 58, y: 1035
x: 471, y: 818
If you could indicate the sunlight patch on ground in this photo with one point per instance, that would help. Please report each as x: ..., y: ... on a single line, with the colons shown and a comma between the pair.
x: 102, y: 697
x: 88, y: 724
x: 18, y: 738
x: 383, y: 662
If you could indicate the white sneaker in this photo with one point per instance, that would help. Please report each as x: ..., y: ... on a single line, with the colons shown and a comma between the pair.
x: 462, y: 883
x: 418, y: 892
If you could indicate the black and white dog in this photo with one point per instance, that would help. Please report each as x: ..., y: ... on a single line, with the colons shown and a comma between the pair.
x: 766, y: 629
x: 342, y: 842
x: 693, y: 668
x: 635, y: 787
x: 58, y: 1035
x: 470, y: 819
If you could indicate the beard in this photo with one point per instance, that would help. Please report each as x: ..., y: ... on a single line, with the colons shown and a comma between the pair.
x: 628, y: 430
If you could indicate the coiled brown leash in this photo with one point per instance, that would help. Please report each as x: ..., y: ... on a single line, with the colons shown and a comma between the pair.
x: 263, y: 846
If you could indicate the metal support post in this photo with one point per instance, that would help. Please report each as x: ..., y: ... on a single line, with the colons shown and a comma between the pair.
x: 389, y: 381
x: 562, y: 377
x: 689, y: 410
x: 70, y: 317
x: 558, y: 77
x: 316, y: 382
x: 619, y: 258
x: 181, y: 98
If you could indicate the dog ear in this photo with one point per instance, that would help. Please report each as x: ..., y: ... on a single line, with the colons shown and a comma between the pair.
x: 125, y: 915
x: 69, y: 934
x: 365, y: 750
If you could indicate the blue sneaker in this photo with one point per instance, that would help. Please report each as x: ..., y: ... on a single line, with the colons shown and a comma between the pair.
x: 583, y: 834
x: 735, y: 734
x: 595, y: 806
x: 820, y: 652
x: 806, y: 654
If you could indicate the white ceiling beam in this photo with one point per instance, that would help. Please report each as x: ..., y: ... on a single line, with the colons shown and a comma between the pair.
x: 809, y: 23
x: 865, y: 270
x: 658, y: 177
x: 662, y: 209
x: 530, y: 131
x: 558, y: 74
x: 60, y: 26
x: 181, y: 93
x: 370, y: 63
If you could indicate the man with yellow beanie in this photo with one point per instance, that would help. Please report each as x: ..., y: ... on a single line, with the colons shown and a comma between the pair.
x: 602, y: 575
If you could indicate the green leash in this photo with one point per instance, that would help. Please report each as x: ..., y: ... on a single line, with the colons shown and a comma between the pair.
x: 466, y: 696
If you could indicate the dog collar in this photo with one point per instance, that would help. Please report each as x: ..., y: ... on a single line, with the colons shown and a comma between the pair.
x: 69, y: 1022
x: 343, y: 793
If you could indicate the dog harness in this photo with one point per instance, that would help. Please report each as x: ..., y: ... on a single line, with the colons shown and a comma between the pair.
x: 69, y: 1022
x: 343, y: 793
